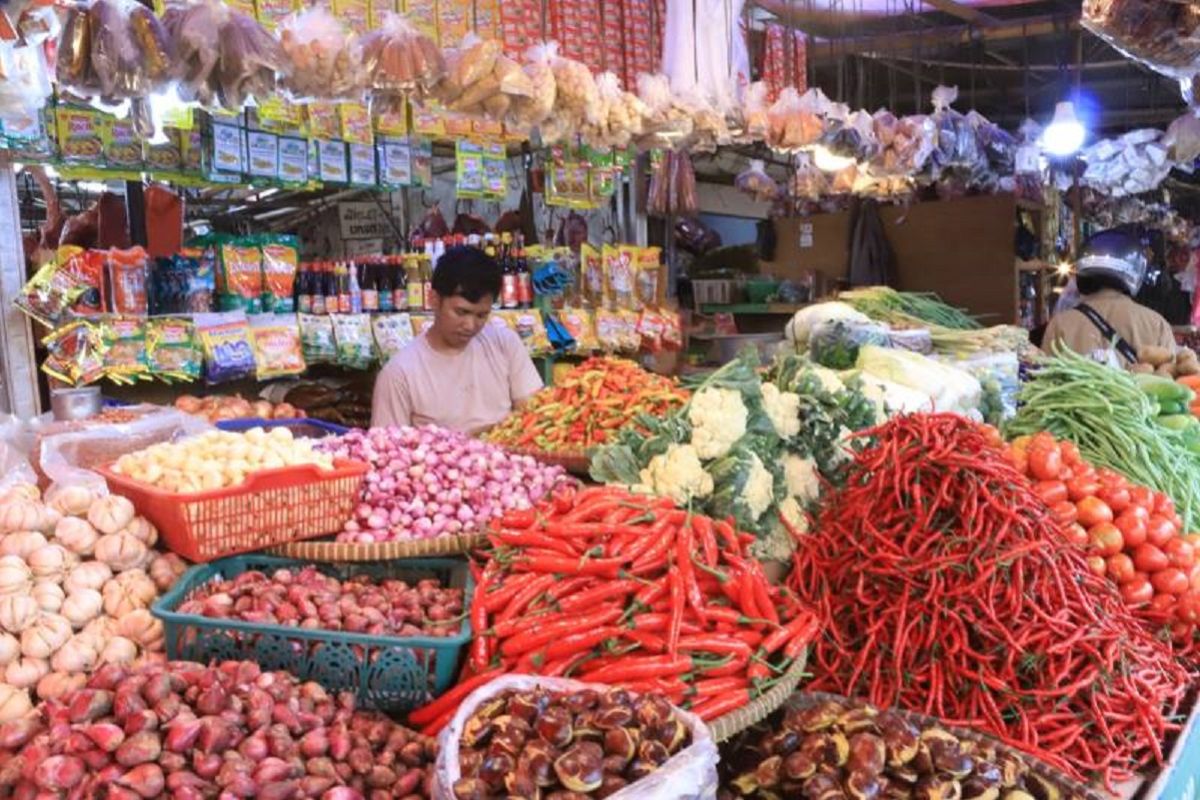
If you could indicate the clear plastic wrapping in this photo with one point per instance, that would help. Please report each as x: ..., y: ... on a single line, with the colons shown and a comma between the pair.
x: 399, y: 58
x: 1163, y: 35
x: 755, y: 182
x: 539, y: 104
x: 325, y: 58
x: 224, y: 56
x: 113, y: 50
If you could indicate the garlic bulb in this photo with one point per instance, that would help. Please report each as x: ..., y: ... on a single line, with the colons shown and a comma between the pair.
x: 141, y: 626
x: 143, y: 530
x: 48, y: 595
x: 120, y: 551
x: 26, y: 672
x: 15, y: 577
x: 119, y: 650
x: 50, y: 563
x: 10, y: 649
x: 57, y: 684
x: 17, y: 612
x: 21, y: 515
x: 88, y: 575
x: 82, y: 606
x: 166, y: 569
x: 124, y: 594
x: 70, y: 500
x: 21, y: 543
x: 43, y: 638
x: 14, y: 702
x: 21, y: 490
x: 77, y: 654
x: 110, y: 513
x: 77, y: 535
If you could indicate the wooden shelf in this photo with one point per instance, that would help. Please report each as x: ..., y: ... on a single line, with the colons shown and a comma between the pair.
x: 1034, y: 266
x: 752, y: 308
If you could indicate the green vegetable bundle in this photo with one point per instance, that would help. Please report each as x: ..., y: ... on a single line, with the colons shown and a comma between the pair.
x: 1113, y: 423
x: 907, y: 308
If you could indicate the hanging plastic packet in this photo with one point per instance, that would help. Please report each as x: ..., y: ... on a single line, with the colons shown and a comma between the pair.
x: 672, y: 332
x: 241, y: 270
x: 88, y: 269
x: 755, y: 182
x: 76, y: 353
x: 316, y: 338
x: 326, y: 59
x: 619, y: 275
x: 280, y: 261
x: 125, y: 349
x: 393, y: 332
x: 277, y: 348
x: 627, y: 328
x: 400, y: 59
x: 225, y: 340
x: 591, y: 265
x: 580, y: 323
x: 649, y: 283
x: 355, y: 345
x: 171, y: 349
x: 608, y: 330
x: 127, y: 275
x: 650, y: 330
x: 51, y: 292
x: 529, y: 326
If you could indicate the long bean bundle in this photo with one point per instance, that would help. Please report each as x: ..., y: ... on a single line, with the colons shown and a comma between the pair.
x: 947, y: 588
x: 919, y: 308
x: 1111, y: 421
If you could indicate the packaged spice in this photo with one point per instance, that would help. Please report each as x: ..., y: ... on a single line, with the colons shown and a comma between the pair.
x: 225, y: 340
x: 392, y: 332
x: 241, y: 277
x: 316, y: 338
x: 355, y: 345
x: 125, y: 349
x: 280, y: 261
x: 529, y: 326
x: 608, y: 330
x: 627, y: 332
x: 580, y: 323
x: 76, y: 353
x: 619, y: 270
x: 87, y: 267
x: 276, y: 342
x: 52, y: 290
x: 127, y: 277
x: 648, y: 286
x: 171, y: 349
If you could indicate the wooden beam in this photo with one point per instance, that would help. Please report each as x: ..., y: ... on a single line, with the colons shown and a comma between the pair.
x: 966, y: 13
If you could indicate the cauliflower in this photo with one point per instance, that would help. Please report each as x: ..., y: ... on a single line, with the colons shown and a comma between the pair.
x: 844, y: 446
x: 802, y: 478
x: 759, y: 491
x: 793, y: 515
x: 830, y: 381
x: 677, y: 474
x: 783, y: 408
x: 718, y: 418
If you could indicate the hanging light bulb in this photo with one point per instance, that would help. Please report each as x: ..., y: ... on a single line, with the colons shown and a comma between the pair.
x: 828, y: 161
x: 1065, y: 133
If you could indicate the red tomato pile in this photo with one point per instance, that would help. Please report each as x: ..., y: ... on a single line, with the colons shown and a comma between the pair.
x: 1132, y: 533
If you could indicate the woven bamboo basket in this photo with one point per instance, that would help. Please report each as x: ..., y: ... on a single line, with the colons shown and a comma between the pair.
x: 1071, y: 789
x: 381, y: 551
x: 758, y: 709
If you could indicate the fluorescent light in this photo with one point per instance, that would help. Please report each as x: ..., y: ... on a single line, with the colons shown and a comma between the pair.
x: 1065, y: 133
x: 827, y: 161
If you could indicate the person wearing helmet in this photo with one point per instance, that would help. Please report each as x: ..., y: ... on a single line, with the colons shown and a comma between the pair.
x: 1107, y: 324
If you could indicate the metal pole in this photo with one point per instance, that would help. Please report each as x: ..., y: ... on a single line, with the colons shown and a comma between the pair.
x: 18, y: 366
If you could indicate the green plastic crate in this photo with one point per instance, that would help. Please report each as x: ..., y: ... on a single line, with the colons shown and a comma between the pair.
x: 389, y: 673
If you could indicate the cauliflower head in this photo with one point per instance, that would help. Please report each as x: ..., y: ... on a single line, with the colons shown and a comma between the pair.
x: 677, y: 474
x: 783, y: 409
x: 759, y: 491
x: 793, y: 515
x: 718, y: 417
x: 802, y: 478
x: 830, y: 381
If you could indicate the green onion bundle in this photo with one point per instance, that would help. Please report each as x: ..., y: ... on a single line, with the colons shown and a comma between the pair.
x: 907, y: 308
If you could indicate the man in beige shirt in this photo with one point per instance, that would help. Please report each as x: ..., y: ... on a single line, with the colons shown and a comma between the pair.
x: 1108, y: 324
x: 464, y: 372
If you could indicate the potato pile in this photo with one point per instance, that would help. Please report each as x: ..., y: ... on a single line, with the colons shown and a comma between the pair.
x: 216, y: 408
x: 1161, y: 361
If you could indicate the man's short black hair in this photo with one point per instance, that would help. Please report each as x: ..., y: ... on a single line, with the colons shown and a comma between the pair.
x: 1090, y: 284
x: 467, y: 272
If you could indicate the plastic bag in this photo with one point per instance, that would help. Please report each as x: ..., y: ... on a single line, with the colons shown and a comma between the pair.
x: 16, y: 440
x: 24, y: 80
x: 276, y: 342
x: 355, y: 344
x: 1183, y: 138
x: 125, y: 358
x: 195, y: 28
x: 949, y: 388
x: 807, y: 182
x: 539, y: 104
x: 393, y: 332
x: 325, y: 59
x: 1163, y: 35
x: 690, y: 774
x: 793, y: 122
x: 755, y: 182
x: 399, y: 58
x: 578, y: 99
x: 316, y: 338
x: 835, y: 343
x: 225, y: 338
x: 619, y: 117
x: 171, y: 349
x: 115, y: 49
x: 75, y: 353
x: 250, y: 57
x: 756, y: 121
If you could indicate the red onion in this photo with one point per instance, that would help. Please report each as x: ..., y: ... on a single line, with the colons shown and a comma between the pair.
x: 429, y: 481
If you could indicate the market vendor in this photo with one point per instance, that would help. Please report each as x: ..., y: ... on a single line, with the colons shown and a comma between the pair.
x: 1106, y: 323
x: 462, y: 373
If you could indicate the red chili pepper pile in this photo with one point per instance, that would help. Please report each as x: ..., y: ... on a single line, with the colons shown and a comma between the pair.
x: 946, y: 588
x: 610, y: 587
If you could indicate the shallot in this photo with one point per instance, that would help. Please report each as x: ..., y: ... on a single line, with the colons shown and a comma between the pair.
x: 427, y: 482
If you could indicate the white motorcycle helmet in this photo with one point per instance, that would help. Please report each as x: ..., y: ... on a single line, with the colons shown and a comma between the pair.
x: 1115, y: 254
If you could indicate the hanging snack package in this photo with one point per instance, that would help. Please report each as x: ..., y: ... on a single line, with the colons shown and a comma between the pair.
x: 276, y: 342
x: 171, y: 349
x: 52, y: 290
x: 608, y: 330
x: 672, y: 331
x: 88, y: 269
x: 225, y: 340
x: 355, y: 345
x: 76, y: 353
x: 392, y: 332
x: 195, y: 28
x: 316, y: 338
x: 125, y: 349
x: 127, y: 276
x: 650, y: 331
x: 399, y: 59
x: 580, y: 324
x: 539, y: 104
x: 241, y: 277
x: 627, y: 328
x: 649, y: 282
x: 591, y: 266
x: 280, y: 261
x: 754, y: 113
x: 619, y: 275
x: 755, y: 182
x: 250, y: 59
x: 325, y: 57
x: 532, y: 330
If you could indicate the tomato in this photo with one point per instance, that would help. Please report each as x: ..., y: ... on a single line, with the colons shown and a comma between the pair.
x: 1076, y: 534
x: 1188, y: 607
x: 1070, y: 453
x: 1192, y: 538
x: 1180, y: 553
x: 1051, y: 492
x: 1106, y: 539
x: 1020, y: 461
x: 1064, y: 512
x: 1120, y: 568
x: 1082, y: 486
x: 1160, y: 530
x: 1111, y: 479
x: 1132, y: 526
x: 1194, y: 575
x: 1093, y: 511
x: 1164, y: 603
x: 1171, y: 580
x: 1141, y: 496
x: 1148, y: 558
x: 1137, y: 592
x: 1163, y: 505
x: 1045, y: 463
x: 1097, y: 564
x: 1117, y: 497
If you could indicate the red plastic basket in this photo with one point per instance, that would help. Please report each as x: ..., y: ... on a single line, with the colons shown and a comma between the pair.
x: 272, y: 507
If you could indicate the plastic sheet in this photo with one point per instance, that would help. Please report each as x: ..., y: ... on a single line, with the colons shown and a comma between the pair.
x: 755, y: 182
x: 16, y: 441
x: 690, y: 774
x: 399, y: 58
x: 325, y: 60
x: 1164, y: 36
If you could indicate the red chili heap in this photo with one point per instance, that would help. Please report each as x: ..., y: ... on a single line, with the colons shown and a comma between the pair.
x: 947, y: 588
x: 611, y: 587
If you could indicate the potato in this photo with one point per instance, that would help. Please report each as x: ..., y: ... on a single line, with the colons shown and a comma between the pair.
x: 1166, y: 370
x: 1187, y: 368
x: 1144, y: 369
x: 1153, y: 355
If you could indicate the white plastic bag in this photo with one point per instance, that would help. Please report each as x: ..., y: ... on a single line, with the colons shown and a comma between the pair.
x: 67, y: 456
x: 690, y: 774
x: 16, y: 440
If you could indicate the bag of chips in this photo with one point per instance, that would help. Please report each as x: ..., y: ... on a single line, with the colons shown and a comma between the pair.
x: 392, y: 332
x: 280, y: 260
x: 76, y: 353
x: 88, y: 269
x: 355, y: 346
x: 241, y: 277
x: 225, y: 339
x: 125, y: 349
x: 580, y: 324
x: 127, y: 276
x: 529, y: 326
x: 172, y: 350
x: 608, y: 330
x: 277, y: 348
x: 52, y: 290
x: 316, y: 338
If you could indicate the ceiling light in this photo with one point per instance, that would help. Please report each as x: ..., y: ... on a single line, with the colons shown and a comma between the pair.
x: 1065, y: 133
x: 828, y: 161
